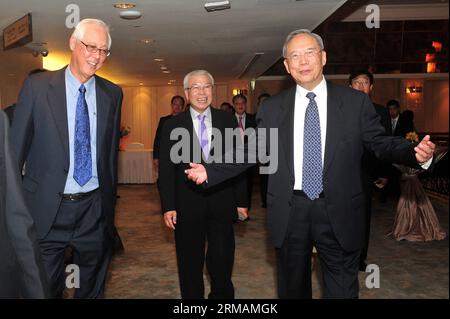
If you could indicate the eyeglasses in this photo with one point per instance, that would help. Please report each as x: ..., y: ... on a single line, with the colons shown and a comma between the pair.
x: 197, y: 87
x: 94, y: 49
x: 307, y: 54
x: 361, y: 83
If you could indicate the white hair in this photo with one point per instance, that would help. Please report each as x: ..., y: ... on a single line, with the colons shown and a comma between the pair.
x: 80, y: 29
x: 302, y: 31
x: 194, y: 73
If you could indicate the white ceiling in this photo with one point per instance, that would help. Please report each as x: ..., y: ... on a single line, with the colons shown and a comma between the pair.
x: 184, y: 34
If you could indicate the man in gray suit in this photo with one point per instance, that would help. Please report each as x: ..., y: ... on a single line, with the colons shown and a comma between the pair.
x: 21, y: 271
x: 66, y: 131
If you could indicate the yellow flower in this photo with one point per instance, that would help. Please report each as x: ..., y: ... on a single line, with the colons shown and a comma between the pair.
x: 412, y: 136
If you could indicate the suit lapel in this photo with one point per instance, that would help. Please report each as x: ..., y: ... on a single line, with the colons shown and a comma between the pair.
x: 57, y: 101
x: 286, y: 127
x: 103, y: 108
x: 334, y: 124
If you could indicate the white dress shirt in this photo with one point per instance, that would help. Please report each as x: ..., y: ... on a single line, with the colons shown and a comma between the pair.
x: 301, y: 103
x: 394, y: 122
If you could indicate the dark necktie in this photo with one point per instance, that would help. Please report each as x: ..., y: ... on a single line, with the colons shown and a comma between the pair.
x: 82, y: 145
x: 312, y: 151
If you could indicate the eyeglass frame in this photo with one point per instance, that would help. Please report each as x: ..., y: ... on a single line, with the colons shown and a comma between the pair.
x: 94, y: 49
x: 307, y: 54
x: 196, y: 88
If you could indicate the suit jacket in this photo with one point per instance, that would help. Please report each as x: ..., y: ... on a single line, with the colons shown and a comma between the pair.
x: 180, y: 194
x: 403, y: 126
x: 371, y: 166
x: 40, y: 138
x: 21, y: 271
x: 250, y: 120
x: 157, y: 141
x: 352, y: 124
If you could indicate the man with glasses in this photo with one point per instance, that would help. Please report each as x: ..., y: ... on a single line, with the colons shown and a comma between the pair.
x: 66, y: 131
x: 373, y: 171
x: 197, y: 215
x: 315, y: 198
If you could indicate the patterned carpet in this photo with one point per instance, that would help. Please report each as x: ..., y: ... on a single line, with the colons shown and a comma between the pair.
x: 147, y: 267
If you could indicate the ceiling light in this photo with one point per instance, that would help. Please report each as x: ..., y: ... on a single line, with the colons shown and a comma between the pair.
x: 141, y: 83
x: 166, y: 71
x: 163, y: 67
x: 123, y: 5
x: 146, y: 41
x: 158, y: 60
x: 170, y: 83
x: 130, y: 14
x: 217, y: 5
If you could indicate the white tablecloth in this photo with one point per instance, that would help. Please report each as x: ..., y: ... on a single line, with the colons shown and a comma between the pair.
x: 136, y: 167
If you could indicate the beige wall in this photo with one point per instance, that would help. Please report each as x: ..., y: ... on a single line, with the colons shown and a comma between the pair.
x: 143, y: 106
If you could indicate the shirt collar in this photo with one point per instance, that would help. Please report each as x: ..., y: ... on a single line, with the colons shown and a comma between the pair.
x: 319, y: 90
x: 243, y: 115
x: 74, y: 84
x: 195, y: 114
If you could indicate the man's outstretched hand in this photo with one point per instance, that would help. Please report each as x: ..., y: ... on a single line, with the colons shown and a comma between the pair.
x: 424, y: 150
x: 197, y: 173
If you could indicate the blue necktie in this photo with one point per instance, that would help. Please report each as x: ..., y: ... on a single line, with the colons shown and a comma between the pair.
x: 312, y: 151
x: 203, y: 135
x: 82, y: 145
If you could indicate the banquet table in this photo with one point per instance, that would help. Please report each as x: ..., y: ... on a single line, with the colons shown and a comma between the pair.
x: 135, y: 166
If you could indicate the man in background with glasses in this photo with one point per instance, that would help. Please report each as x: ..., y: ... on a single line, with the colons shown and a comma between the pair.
x: 66, y: 132
x: 373, y: 171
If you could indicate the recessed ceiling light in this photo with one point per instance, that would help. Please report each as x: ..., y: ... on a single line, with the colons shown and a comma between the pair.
x: 141, y: 83
x: 123, y: 5
x: 163, y: 67
x: 166, y: 71
x: 173, y: 81
x: 170, y: 83
x: 158, y: 60
x: 130, y: 14
x: 146, y: 41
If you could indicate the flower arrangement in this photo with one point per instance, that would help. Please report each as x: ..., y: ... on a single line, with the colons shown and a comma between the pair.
x: 412, y: 136
x: 124, y: 131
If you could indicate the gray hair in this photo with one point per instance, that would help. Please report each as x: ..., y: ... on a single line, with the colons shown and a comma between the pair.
x: 302, y: 31
x: 80, y: 29
x: 195, y: 73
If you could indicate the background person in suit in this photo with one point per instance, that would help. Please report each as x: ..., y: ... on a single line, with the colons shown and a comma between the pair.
x: 400, y: 125
x: 315, y: 196
x: 66, y: 130
x: 197, y: 215
x: 21, y: 270
x: 245, y: 121
x: 373, y: 170
x: 177, y: 105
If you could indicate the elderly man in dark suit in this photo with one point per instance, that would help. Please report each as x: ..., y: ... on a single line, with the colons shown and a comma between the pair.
x: 66, y: 131
x: 315, y: 196
x: 196, y: 215
x: 21, y: 270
